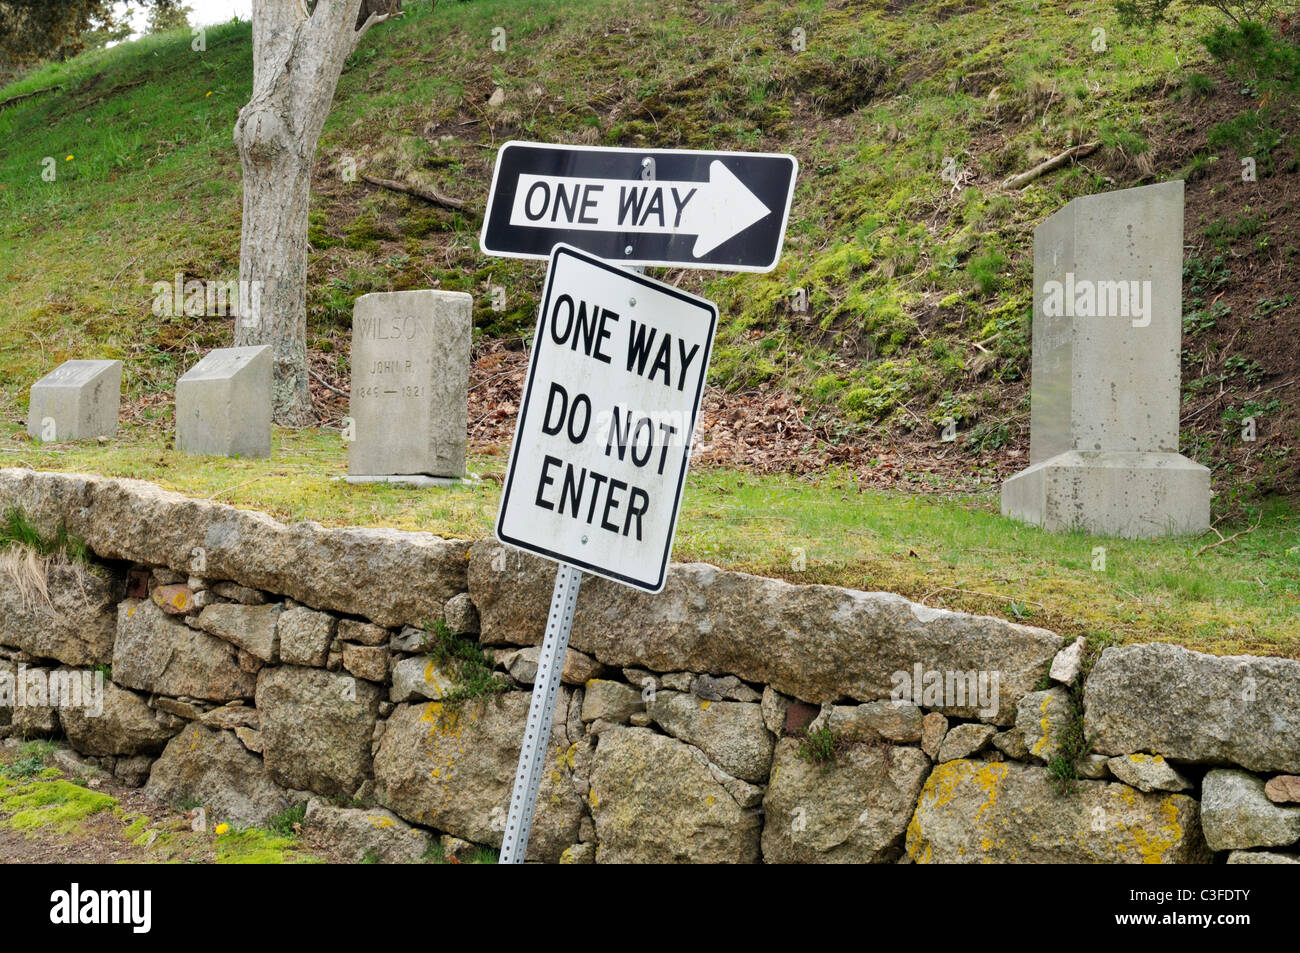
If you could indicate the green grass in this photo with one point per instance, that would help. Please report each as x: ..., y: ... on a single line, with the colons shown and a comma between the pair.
x: 146, y: 185
x: 148, y: 181
x: 1073, y: 744
x: 22, y: 768
x: 283, y: 823
x: 820, y: 746
x: 947, y: 550
x: 479, y: 855
x: 31, y: 761
x: 41, y: 803
x: 17, y: 530
x: 253, y: 845
x: 465, y: 663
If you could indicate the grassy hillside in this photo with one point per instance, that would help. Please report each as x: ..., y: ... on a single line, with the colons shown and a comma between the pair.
x: 918, y: 285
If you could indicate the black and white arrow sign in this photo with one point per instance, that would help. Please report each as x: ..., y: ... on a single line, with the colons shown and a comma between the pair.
x: 670, y: 207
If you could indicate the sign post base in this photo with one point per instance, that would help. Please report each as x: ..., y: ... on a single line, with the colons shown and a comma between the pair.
x: 537, y: 732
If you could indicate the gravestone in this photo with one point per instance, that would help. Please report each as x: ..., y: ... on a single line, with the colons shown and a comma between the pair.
x: 1107, y: 335
x: 410, y: 387
x: 223, y: 403
x: 76, y: 400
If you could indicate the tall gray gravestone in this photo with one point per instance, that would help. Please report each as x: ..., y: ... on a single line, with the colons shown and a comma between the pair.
x: 76, y: 400
x: 1105, y: 391
x: 223, y: 403
x: 410, y: 387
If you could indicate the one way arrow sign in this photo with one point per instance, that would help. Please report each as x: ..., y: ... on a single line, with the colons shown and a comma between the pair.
x: 667, y: 207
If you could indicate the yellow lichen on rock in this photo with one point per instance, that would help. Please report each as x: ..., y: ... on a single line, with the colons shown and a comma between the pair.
x: 1045, y: 728
x: 945, y: 783
x: 1146, y: 759
x: 445, y: 721
x: 567, y: 756
x: 1153, y: 847
x: 916, y: 845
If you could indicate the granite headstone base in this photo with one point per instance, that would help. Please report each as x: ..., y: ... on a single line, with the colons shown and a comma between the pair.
x: 1112, y: 493
x: 410, y: 386
x: 417, y: 480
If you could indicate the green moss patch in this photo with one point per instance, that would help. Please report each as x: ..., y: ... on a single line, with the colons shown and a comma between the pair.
x: 56, y: 804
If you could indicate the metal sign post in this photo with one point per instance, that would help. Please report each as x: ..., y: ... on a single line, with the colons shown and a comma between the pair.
x: 623, y: 358
x: 541, y: 709
x: 598, y: 488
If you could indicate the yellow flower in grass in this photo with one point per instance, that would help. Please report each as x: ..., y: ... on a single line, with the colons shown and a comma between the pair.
x: 222, y: 828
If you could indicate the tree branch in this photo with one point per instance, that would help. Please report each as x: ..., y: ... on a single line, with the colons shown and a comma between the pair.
x: 420, y: 192
x: 35, y: 92
x: 373, y: 20
x: 1227, y: 539
x: 324, y: 383
x: 1075, y: 152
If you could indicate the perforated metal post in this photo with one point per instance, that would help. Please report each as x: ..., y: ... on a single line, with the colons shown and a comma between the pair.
x: 537, y: 731
x: 546, y: 688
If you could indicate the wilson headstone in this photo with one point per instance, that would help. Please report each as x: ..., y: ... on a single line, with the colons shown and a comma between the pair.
x: 223, y: 404
x: 410, y: 387
x: 1105, y: 390
x: 76, y: 400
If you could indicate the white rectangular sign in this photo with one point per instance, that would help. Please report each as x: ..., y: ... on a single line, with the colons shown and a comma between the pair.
x: 605, y: 426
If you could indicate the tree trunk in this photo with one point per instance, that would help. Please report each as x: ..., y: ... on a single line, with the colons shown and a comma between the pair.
x: 273, y: 263
x: 297, y: 60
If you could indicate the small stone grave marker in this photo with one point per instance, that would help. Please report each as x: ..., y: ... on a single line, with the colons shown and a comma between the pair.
x: 76, y: 400
x: 223, y: 403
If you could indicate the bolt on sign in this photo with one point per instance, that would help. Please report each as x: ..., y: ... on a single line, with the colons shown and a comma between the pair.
x: 604, y: 433
x: 669, y: 207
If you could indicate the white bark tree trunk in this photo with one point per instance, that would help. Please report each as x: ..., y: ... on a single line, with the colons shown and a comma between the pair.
x: 298, y: 57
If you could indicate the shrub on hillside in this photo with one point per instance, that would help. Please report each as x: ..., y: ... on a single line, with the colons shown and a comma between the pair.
x: 1257, y: 45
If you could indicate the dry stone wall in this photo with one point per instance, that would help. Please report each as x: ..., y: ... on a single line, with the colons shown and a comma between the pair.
x: 253, y: 666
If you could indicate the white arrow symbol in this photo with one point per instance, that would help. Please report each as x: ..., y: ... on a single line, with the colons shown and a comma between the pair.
x: 712, y: 211
x: 725, y: 209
